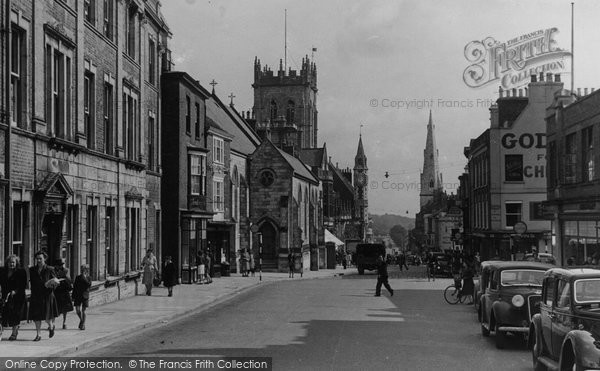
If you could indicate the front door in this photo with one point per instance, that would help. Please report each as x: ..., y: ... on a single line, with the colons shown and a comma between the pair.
x: 269, y: 241
x: 52, y: 227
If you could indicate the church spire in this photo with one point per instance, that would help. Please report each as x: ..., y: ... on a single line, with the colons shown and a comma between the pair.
x: 360, y: 160
x: 431, y: 179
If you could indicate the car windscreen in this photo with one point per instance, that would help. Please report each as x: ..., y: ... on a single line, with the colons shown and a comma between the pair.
x: 521, y: 277
x: 587, y: 291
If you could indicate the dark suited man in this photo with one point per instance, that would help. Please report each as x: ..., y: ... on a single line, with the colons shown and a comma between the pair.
x: 382, y: 277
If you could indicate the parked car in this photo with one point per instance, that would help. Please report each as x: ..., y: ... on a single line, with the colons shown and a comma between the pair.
x: 510, y: 298
x: 482, y: 282
x: 542, y: 257
x: 564, y: 335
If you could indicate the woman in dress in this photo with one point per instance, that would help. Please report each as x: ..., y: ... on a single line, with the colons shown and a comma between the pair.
x: 63, y: 291
x: 13, y: 281
x: 42, y: 302
x: 149, y: 266
x: 243, y: 260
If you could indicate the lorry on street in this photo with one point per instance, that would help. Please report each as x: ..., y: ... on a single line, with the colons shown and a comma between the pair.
x: 366, y: 256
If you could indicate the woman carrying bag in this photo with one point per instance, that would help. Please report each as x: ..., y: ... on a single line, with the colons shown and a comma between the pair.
x: 150, y: 271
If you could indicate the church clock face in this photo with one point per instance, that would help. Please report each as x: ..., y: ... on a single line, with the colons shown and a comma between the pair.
x: 267, y: 177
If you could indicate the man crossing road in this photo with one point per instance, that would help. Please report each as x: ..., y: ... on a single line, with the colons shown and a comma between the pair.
x: 382, y: 277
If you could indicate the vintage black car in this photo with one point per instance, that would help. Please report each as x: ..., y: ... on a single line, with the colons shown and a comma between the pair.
x: 565, y: 335
x: 510, y: 298
x: 482, y: 283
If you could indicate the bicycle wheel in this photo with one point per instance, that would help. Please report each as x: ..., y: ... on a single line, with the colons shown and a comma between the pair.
x: 451, y: 295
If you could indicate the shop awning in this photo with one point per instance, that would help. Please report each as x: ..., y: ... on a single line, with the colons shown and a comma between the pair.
x: 330, y: 237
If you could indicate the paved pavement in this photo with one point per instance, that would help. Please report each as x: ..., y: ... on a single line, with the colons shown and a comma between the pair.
x: 108, y: 322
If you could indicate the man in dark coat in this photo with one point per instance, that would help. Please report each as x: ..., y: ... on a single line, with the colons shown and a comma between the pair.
x: 169, y: 275
x: 382, y: 277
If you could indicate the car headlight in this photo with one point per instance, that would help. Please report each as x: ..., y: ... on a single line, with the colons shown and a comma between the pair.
x: 518, y: 301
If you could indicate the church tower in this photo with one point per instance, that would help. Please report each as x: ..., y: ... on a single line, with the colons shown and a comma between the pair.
x: 431, y: 179
x: 361, y: 181
x: 285, y: 105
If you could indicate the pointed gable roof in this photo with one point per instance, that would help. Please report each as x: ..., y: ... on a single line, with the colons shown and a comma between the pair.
x: 299, y: 168
x: 245, y: 140
x: 55, y: 184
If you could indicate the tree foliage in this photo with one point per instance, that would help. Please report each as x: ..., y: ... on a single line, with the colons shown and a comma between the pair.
x: 398, y: 235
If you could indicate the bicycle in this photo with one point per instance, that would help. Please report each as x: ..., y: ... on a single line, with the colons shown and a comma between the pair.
x: 452, y: 295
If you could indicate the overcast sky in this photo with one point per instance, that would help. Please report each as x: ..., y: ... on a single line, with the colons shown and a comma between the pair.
x: 370, y: 53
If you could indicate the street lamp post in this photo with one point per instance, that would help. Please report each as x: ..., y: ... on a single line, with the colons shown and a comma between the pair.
x: 260, y: 246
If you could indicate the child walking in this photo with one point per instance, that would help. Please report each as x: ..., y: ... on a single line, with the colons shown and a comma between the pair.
x: 81, y: 294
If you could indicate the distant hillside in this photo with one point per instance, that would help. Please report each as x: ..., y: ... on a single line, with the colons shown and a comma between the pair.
x: 383, y: 223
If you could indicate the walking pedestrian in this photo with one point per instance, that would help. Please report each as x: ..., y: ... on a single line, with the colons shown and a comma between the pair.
x: 169, y: 275
x: 291, y: 263
x: 201, y: 262
x: 468, y: 286
x: 208, y: 270
x: 13, y: 281
x: 149, y: 265
x: 382, y: 277
x: 402, y: 261
x: 252, y: 264
x: 63, y: 291
x: 42, y: 302
x: 81, y: 294
x: 431, y: 263
x: 243, y: 260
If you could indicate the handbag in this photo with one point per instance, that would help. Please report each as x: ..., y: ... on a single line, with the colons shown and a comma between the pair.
x: 156, y: 280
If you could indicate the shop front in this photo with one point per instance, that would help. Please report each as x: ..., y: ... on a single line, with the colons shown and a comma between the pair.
x: 581, y: 242
x: 193, y: 240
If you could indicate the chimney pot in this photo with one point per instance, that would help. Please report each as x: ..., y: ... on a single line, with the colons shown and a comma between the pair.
x: 557, y: 77
x: 520, y: 92
x: 593, y: 90
x: 526, y: 92
x: 549, y: 77
x: 533, y: 78
x: 579, y: 91
x: 500, y: 91
x: 541, y: 76
x: 585, y: 91
x: 514, y: 94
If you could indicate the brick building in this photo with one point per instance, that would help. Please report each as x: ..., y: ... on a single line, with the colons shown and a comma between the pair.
x: 243, y: 143
x: 573, y: 182
x: 186, y: 209
x: 504, y: 205
x: 84, y: 167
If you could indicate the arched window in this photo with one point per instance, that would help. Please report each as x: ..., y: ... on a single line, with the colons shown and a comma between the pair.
x: 290, y: 113
x: 431, y: 183
x: 273, y: 110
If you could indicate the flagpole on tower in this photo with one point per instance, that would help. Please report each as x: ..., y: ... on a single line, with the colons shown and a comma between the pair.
x: 285, y: 43
x: 572, y: 50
